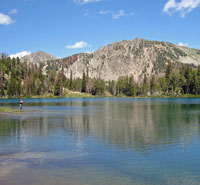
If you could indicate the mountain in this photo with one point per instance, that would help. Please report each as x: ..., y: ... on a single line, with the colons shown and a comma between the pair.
x: 38, y: 56
x: 136, y: 57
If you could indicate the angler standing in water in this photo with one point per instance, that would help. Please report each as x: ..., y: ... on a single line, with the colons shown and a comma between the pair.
x: 20, y: 103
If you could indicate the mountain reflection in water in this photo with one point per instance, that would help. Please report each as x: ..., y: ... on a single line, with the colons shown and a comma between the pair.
x: 78, y: 132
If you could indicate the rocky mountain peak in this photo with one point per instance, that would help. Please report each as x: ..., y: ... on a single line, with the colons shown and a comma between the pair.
x: 137, y: 58
x: 38, y: 56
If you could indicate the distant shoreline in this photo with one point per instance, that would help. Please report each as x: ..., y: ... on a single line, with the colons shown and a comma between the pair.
x: 84, y: 95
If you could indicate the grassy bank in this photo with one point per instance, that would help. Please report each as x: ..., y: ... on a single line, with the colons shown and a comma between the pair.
x: 11, y: 110
x: 74, y: 94
x: 69, y: 94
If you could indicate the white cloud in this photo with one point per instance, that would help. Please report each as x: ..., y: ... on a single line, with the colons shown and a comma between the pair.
x: 5, y: 19
x: 77, y: 45
x: 20, y: 55
x: 121, y: 13
x: 169, y: 5
x: 86, y: 1
x: 184, y: 6
x: 117, y: 15
x: 13, y: 11
x: 183, y: 44
x: 102, y: 12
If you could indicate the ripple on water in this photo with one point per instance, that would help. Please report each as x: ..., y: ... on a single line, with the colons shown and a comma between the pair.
x: 101, y: 141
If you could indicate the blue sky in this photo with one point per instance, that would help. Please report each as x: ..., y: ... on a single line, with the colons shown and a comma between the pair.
x: 66, y: 27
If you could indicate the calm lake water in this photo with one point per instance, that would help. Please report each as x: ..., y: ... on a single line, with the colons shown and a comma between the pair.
x: 106, y: 141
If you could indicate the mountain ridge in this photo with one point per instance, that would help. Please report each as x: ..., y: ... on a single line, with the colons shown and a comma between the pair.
x: 138, y: 57
x: 39, y: 56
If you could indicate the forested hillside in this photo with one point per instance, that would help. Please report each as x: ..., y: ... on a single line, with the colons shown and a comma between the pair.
x: 138, y: 57
x: 19, y: 79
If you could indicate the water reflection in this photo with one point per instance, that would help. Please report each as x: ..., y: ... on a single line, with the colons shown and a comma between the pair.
x: 139, y: 125
x: 136, y: 124
x: 101, y: 141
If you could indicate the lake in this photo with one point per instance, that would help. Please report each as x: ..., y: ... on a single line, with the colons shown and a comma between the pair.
x: 106, y: 141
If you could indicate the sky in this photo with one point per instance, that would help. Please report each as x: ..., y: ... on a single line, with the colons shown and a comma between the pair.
x: 66, y: 27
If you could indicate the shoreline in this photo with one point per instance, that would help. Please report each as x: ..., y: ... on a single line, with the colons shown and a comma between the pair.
x: 103, y: 96
x: 14, y: 111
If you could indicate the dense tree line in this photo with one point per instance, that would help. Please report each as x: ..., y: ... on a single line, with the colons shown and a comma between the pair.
x: 175, y: 81
x: 28, y: 79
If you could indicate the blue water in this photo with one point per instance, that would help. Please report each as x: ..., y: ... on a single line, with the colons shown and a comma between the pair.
x: 101, y: 141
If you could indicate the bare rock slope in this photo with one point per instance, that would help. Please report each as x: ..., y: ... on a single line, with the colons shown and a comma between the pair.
x: 136, y: 57
x: 38, y: 56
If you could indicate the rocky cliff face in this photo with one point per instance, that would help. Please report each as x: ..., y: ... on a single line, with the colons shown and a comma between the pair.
x: 38, y: 56
x: 137, y: 57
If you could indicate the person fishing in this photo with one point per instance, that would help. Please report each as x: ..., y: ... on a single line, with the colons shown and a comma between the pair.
x: 20, y: 103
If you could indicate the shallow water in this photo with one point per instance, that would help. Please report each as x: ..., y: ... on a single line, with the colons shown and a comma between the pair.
x: 116, y: 141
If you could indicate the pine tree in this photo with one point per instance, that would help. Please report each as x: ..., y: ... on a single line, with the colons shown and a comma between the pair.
x: 195, y: 83
x: 163, y: 85
x: 188, y: 77
x: 83, y: 85
x: 57, y: 87
x: 71, y: 81
x: 152, y: 84
x: 198, y: 79
x: 175, y: 82
x: 112, y: 87
x: 98, y: 87
x: 168, y: 76
x: 132, y: 90
x: 145, y: 85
